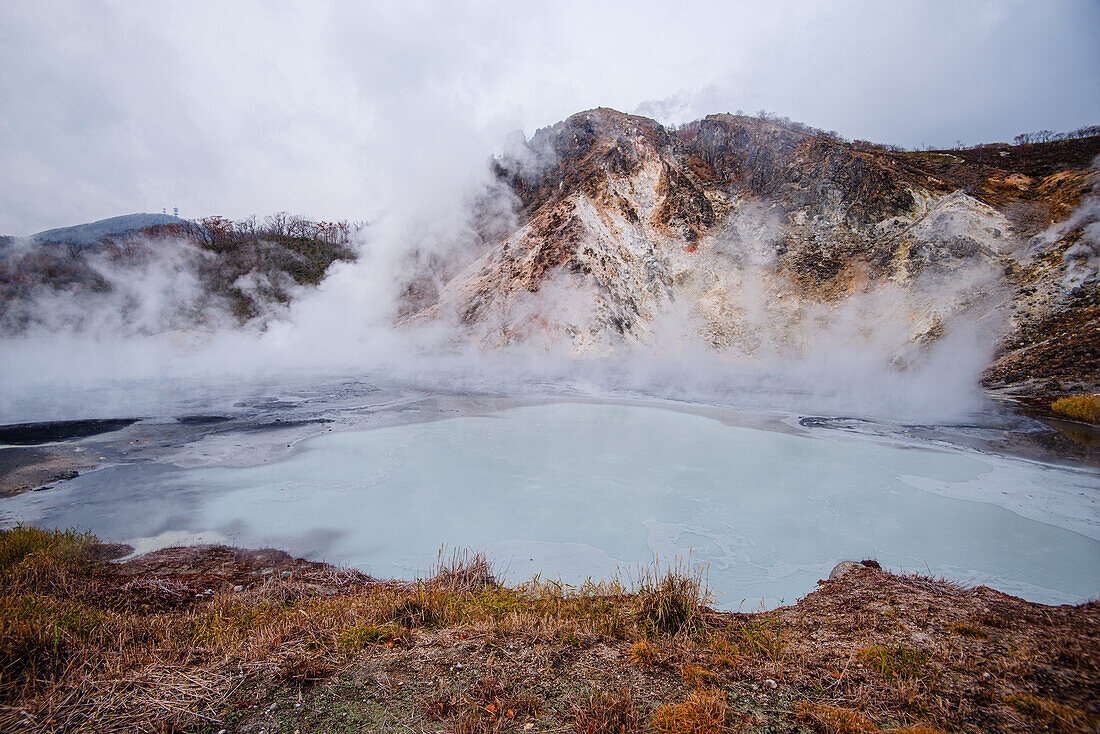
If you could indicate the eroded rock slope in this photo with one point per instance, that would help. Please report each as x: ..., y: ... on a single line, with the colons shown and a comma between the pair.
x: 764, y: 239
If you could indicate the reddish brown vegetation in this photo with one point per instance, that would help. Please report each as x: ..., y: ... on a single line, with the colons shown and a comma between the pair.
x: 144, y: 645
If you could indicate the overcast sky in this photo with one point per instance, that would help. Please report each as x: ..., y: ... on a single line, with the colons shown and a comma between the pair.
x: 328, y: 109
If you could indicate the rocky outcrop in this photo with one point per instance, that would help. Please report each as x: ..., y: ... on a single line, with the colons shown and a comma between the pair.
x: 753, y: 237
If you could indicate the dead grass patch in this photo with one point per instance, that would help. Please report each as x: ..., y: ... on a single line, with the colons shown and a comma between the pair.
x: 1042, y: 709
x: 702, y: 712
x: 365, y: 635
x: 834, y: 719
x: 463, y: 571
x: 698, y: 677
x: 1084, y: 408
x: 897, y: 662
x: 608, y: 713
x: 144, y: 647
x: 25, y: 545
x: 970, y: 631
x: 989, y: 619
x: 485, y: 707
x: 762, y: 637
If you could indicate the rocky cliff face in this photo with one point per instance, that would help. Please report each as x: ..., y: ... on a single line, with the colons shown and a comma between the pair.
x: 763, y: 239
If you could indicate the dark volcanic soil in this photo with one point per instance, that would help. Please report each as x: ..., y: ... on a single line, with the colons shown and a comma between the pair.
x: 23, y: 469
x: 30, y: 434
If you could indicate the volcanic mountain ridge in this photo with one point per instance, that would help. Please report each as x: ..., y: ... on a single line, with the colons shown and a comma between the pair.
x: 761, y: 238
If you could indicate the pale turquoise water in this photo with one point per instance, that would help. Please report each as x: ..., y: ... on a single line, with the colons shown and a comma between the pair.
x: 576, y: 490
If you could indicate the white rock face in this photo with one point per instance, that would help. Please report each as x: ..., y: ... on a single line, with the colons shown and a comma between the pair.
x: 593, y: 274
x: 747, y: 239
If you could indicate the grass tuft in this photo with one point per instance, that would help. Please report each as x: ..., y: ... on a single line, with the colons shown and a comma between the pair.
x: 672, y: 602
x: 465, y: 571
x: 427, y: 607
x: 728, y: 662
x: 608, y: 713
x: 834, y: 719
x: 366, y: 634
x: 989, y: 619
x: 702, y: 712
x: 642, y: 653
x: 762, y: 638
x: 698, y: 677
x: 305, y: 670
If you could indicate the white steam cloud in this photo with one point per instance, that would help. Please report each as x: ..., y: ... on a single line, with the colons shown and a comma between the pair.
x: 1081, y: 260
x: 157, y: 290
x: 905, y: 351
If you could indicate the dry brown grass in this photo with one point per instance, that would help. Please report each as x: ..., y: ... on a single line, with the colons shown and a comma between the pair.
x: 464, y: 571
x: 1085, y: 408
x: 642, y: 653
x: 969, y: 630
x: 702, y: 712
x: 1041, y: 709
x: 608, y: 713
x: 73, y: 650
x: 24, y: 546
x: 762, y: 637
x: 88, y: 646
x: 834, y: 719
x: 674, y: 601
x: 698, y: 677
x: 897, y: 662
x: 908, y: 678
x: 485, y: 707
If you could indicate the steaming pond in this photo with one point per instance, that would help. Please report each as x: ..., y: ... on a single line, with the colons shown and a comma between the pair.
x: 573, y: 490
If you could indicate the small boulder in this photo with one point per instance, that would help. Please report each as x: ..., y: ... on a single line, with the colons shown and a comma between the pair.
x: 842, y: 568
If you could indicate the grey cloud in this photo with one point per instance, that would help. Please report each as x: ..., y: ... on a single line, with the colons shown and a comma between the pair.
x: 342, y: 110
